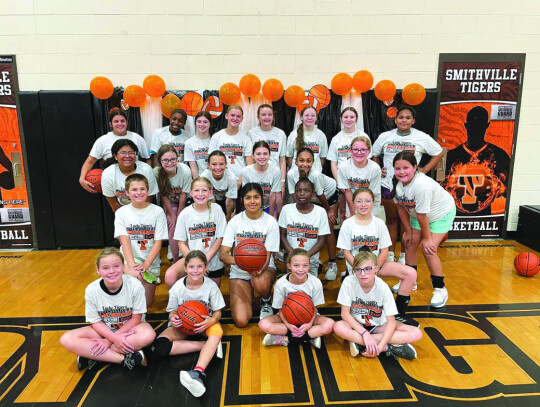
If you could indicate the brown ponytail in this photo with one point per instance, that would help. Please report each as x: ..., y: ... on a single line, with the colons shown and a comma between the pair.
x: 300, y: 142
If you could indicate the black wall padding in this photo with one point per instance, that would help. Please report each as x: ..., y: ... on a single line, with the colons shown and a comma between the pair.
x: 68, y: 131
x: 37, y: 177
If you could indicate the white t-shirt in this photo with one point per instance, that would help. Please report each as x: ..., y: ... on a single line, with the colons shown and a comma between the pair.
x: 270, y: 181
x: 304, y: 229
x: 117, y: 308
x: 143, y: 227
x: 236, y: 148
x: 276, y: 139
x: 102, y: 146
x: 354, y: 237
x: 196, y: 149
x: 164, y: 136
x: 369, y: 308
x: 181, y: 182
x: 314, y: 140
x: 283, y: 287
x: 240, y: 227
x: 323, y: 184
x: 113, y: 181
x: 424, y: 195
x: 351, y: 177
x: 340, y: 146
x: 223, y: 188
x: 200, y: 230
x: 208, y: 293
x: 390, y: 143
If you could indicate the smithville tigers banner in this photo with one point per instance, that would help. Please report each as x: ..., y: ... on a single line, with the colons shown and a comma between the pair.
x: 15, y: 224
x: 477, y: 113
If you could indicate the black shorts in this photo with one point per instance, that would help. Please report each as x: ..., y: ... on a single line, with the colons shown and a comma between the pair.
x: 334, y: 199
x: 223, y: 206
x: 385, y: 193
x: 216, y: 273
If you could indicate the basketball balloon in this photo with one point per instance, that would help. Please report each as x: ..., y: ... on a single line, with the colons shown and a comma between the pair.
x: 154, y: 85
x: 250, y: 255
x: 321, y: 94
x: 294, y: 96
x: 298, y: 308
x: 101, y: 87
x: 192, y: 103
x: 272, y: 90
x: 250, y: 85
x: 309, y: 101
x: 229, y: 94
x: 191, y: 313
x: 392, y: 112
x: 413, y: 94
x: 134, y: 95
x: 362, y: 81
x: 94, y: 177
x: 168, y: 104
x: 342, y: 83
x: 213, y: 106
x: 385, y: 90
x: 526, y: 264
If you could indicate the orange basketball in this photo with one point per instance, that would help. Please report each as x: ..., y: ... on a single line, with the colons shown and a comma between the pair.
x: 322, y: 94
x: 191, y: 313
x: 94, y: 177
x: 250, y: 255
x: 213, y: 106
x: 526, y: 264
x: 298, y: 308
x: 392, y: 112
x: 192, y: 103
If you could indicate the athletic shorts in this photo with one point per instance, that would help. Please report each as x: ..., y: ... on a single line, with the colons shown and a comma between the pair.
x: 150, y: 276
x: 216, y: 273
x: 442, y: 225
x: 385, y: 193
x: 244, y: 275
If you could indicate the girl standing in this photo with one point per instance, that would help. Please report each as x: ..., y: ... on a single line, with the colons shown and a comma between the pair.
x: 196, y: 148
x: 224, y: 183
x: 172, y: 135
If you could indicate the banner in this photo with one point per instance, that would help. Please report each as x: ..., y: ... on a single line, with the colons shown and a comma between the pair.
x: 15, y: 224
x: 477, y: 116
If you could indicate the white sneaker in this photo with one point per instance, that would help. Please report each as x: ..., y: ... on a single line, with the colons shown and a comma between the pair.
x: 391, y: 256
x: 316, y: 342
x: 331, y: 272
x: 219, y: 351
x: 356, y: 349
x: 271, y: 340
x: 401, y: 259
x: 169, y: 254
x: 340, y: 255
x: 440, y: 296
x: 266, y: 309
x: 395, y: 288
x: 193, y: 381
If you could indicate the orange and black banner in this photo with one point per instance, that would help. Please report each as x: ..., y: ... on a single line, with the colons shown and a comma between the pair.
x: 478, y: 112
x: 15, y: 223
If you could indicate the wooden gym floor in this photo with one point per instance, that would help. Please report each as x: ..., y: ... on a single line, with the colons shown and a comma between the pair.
x: 483, y: 349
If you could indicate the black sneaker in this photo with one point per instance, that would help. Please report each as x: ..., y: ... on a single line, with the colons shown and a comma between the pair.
x: 193, y: 380
x: 405, y: 351
x: 134, y: 359
x: 83, y: 363
x: 404, y: 319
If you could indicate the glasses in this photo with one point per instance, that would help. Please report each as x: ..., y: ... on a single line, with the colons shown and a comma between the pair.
x: 365, y: 270
x: 169, y: 160
x: 360, y: 202
x: 124, y: 153
x: 359, y: 150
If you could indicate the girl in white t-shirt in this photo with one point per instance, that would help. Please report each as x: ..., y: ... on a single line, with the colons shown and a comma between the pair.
x: 390, y: 143
x: 196, y: 148
x: 427, y: 211
x: 174, y: 181
x: 199, y: 227
x: 310, y: 136
x: 276, y: 139
x: 267, y: 176
x: 224, y: 182
x: 173, y: 135
x: 114, y: 336
x: 101, y: 149
x: 298, y: 279
x: 141, y: 227
x: 252, y: 223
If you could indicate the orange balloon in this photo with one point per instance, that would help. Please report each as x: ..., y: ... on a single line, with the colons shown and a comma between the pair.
x: 134, y: 95
x: 413, y: 94
x: 385, y: 90
x: 272, y: 90
x: 342, y: 84
x: 250, y: 85
x: 154, y: 86
x: 294, y: 96
x: 101, y: 87
x: 229, y: 93
x: 362, y: 81
x: 168, y: 104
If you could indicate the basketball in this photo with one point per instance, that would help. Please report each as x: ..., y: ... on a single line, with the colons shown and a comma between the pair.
x: 322, y: 94
x: 526, y: 264
x: 392, y: 112
x: 250, y: 255
x: 191, y: 313
x: 191, y: 103
x: 298, y: 308
x: 213, y: 106
x: 94, y: 177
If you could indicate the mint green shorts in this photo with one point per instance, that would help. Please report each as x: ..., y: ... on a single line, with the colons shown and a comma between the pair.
x: 442, y: 225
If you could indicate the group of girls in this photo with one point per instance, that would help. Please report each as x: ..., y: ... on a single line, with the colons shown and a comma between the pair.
x: 247, y: 172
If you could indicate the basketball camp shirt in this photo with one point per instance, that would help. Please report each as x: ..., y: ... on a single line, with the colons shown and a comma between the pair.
x: 113, y: 181
x: 181, y: 182
x: 270, y: 181
x: 314, y: 140
x: 208, y: 293
x: 222, y: 188
x: 236, y: 148
x: 101, y: 150
x: 340, y: 146
x: 351, y: 177
x: 276, y: 139
x: 196, y: 150
x: 312, y: 287
x: 164, y: 136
